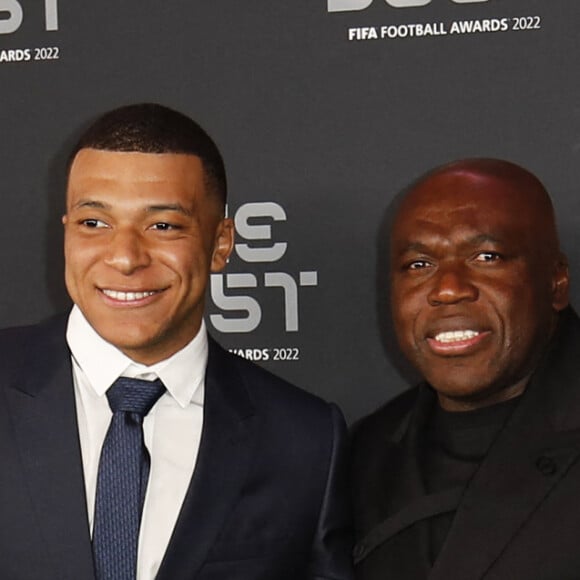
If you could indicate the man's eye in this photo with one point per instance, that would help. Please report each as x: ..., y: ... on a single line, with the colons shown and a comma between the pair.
x: 418, y: 265
x: 93, y: 223
x: 487, y: 257
x: 164, y: 226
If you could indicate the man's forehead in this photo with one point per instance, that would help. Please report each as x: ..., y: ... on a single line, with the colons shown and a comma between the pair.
x: 458, y: 194
x: 99, y: 168
x: 147, y: 182
x: 456, y: 186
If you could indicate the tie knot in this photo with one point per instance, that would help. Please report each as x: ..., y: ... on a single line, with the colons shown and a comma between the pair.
x: 134, y: 395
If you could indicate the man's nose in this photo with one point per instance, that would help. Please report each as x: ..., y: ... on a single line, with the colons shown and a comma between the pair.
x: 127, y: 251
x: 452, y: 285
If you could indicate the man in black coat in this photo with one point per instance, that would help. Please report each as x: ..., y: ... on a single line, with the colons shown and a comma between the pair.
x: 131, y: 444
x: 475, y: 473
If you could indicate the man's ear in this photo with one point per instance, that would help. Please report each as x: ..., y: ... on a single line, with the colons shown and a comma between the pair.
x: 223, y: 244
x: 561, y: 284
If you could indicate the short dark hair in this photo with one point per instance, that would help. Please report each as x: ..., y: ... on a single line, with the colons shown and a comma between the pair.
x: 154, y: 128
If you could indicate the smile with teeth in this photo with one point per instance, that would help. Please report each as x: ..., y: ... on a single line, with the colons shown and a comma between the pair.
x: 455, y: 335
x: 127, y: 296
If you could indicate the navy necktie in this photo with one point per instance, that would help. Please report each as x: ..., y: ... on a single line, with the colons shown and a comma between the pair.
x: 122, y: 479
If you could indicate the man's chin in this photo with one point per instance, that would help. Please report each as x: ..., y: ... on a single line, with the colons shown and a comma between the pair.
x: 133, y: 341
x: 470, y: 397
x: 464, y: 386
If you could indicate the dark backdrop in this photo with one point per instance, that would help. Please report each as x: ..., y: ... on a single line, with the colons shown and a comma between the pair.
x: 321, y: 125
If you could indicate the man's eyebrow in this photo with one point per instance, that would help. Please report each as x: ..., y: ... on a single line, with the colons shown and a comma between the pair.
x: 421, y: 248
x: 169, y: 207
x: 483, y: 238
x: 156, y: 207
x: 417, y: 247
x: 91, y: 203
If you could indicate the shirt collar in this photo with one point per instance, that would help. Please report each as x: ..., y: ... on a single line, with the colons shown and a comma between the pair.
x: 182, y: 373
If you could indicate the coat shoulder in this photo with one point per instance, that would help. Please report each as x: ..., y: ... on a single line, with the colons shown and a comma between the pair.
x: 272, y: 393
x: 21, y: 345
x: 386, y: 423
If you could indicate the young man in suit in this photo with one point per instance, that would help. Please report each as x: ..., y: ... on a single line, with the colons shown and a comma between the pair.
x: 132, y: 445
x: 475, y: 473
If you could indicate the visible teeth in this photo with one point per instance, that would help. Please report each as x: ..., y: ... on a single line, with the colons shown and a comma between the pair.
x: 455, y: 335
x: 126, y: 296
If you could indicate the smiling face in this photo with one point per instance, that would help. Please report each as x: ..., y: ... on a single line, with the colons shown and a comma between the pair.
x: 477, y: 279
x: 142, y: 235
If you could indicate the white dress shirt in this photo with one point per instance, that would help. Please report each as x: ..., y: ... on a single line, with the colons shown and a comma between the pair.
x: 172, y: 429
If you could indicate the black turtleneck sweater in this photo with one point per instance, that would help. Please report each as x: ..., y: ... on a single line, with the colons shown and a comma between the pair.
x: 455, y: 445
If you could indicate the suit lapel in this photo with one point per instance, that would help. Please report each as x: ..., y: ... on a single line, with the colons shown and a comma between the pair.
x: 526, y: 462
x: 396, y: 483
x: 42, y: 408
x: 408, y: 483
x: 224, y: 457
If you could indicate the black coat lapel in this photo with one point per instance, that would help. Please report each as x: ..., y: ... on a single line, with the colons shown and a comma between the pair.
x: 223, y: 460
x: 528, y: 459
x: 409, y: 484
x: 389, y: 488
x: 42, y: 409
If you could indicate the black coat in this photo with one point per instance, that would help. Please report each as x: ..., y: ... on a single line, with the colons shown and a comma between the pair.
x: 519, y: 516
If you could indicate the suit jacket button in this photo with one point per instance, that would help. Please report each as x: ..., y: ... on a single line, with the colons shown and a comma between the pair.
x: 546, y: 465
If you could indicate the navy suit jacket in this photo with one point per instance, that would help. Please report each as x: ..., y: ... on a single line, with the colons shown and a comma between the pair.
x: 518, y: 517
x: 267, y: 500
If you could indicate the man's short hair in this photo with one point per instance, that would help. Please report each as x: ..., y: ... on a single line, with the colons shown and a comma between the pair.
x: 153, y: 128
